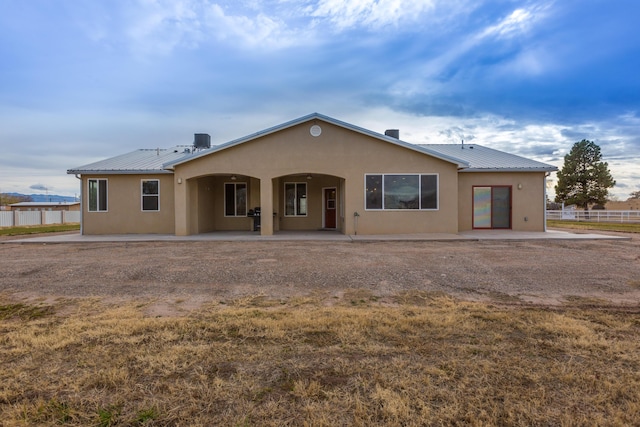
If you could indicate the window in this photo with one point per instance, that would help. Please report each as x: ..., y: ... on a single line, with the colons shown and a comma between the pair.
x: 401, y: 191
x: 97, y: 195
x: 295, y: 199
x: 150, y: 195
x: 235, y: 199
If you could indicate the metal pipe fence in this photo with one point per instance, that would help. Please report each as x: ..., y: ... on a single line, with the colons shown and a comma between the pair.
x: 594, y: 215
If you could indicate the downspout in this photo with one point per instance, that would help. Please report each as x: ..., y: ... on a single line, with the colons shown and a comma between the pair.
x: 81, y: 206
x: 546, y: 174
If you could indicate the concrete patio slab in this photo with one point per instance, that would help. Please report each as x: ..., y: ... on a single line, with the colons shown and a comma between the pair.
x: 474, y: 235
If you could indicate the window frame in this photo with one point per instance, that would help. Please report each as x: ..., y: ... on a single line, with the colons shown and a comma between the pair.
x: 235, y: 199
x: 419, y: 194
x: 99, y: 200
x: 297, y: 205
x: 143, y: 195
x: 475, y: 223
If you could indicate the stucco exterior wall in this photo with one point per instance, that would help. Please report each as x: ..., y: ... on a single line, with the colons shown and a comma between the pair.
x: 124, y: 207
x: 527, y: 197
x: 337, y: 153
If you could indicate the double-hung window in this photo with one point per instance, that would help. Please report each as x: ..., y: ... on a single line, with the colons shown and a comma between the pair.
x: 150, y: 195
x: 235, y: 199
x: 97, y: 195
x: 401, y: 191
x: 295, y: 199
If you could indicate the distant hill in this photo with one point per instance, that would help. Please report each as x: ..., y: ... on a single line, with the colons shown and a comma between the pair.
x: 44, y: 197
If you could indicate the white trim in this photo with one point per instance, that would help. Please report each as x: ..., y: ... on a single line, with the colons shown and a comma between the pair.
x: 544, y: 202
x: 296, y: 215
x: 235, y: 192
x: 142, y: 195
x: 97, y: 195
x: 419, y: 174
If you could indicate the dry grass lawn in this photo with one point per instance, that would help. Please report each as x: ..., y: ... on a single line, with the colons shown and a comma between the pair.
x: 429, y: 360
x: 426, y: 360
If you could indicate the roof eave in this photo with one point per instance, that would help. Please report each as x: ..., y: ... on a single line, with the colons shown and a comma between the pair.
x: 118, y: 171
x: 549, y: 169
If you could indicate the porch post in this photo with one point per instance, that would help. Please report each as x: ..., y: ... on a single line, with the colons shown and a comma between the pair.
x: 266, y: 207
x: 181, y: 202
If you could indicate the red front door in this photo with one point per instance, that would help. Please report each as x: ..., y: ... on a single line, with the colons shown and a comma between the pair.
x: 329, y: 208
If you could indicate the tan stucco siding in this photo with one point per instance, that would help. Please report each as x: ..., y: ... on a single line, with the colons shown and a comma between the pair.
x: 124, y: 207
x: 527, y: 197
x: 337, y: 153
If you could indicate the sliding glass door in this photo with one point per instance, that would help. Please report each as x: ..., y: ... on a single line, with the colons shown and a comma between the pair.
x: 492, y: 207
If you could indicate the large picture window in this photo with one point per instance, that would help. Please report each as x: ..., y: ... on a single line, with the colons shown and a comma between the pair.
x: 235, y: 199
x: 401, y: 191
x: 150, y: 195
x: 295, y: 199
x: 97, y: 195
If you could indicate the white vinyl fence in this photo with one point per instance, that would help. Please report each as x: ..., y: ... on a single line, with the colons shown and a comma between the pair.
x: 19, y: 218
x: 595, y: 215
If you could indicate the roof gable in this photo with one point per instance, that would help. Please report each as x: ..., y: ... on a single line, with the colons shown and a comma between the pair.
x: 316, y: 117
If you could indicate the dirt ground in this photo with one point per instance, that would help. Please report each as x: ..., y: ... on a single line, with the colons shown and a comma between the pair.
x: 176, y: 277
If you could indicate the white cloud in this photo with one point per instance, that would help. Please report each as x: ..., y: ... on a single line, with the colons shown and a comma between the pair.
x: 249, y: 31
x: 518, y: 22
x: 371, y: 13
x: 159, y: 26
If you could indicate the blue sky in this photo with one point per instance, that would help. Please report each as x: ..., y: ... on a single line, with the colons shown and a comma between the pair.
x: 83, y: 80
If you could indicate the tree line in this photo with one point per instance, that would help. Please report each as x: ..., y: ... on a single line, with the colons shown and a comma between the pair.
x: 9, y: 199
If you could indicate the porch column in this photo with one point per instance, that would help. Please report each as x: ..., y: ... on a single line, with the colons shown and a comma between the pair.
x: 266, y: 206
x: 181, y: 201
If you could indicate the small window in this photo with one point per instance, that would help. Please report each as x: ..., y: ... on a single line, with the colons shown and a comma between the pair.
x: 235, y: 199
x: 97, y: 195
x: 401, y: 191
x: 374, y: 191
x: 150, y: 195
x: 295, y: 199
x: 429, y: 192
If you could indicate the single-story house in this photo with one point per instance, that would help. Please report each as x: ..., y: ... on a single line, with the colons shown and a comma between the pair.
x: 313, y: 173
x: 45, y: 206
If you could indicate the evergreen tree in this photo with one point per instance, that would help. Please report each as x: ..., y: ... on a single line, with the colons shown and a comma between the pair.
x: 584, y: 179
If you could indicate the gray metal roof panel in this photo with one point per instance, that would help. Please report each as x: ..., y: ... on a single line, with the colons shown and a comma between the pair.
x: 484, y: 159
x: 138, y: 161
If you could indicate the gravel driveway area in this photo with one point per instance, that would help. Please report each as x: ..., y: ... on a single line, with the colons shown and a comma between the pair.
x: 179, y: 276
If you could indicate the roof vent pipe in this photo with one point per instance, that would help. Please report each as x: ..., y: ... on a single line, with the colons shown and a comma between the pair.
x: 202, y: 141
x: 393, y: 133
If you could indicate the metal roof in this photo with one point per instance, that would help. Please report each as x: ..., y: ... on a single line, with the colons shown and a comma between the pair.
x: 135, y: 162
x: 484, y: 159
x: 317, y: 116
x: 468, y: 158
x: 31, y: 204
